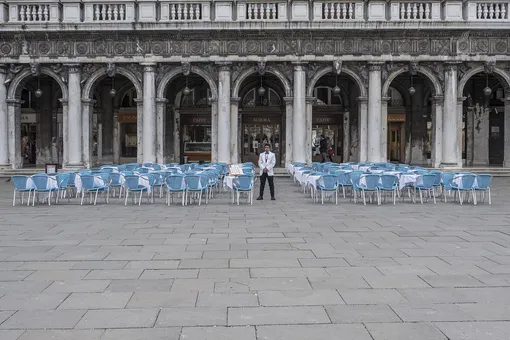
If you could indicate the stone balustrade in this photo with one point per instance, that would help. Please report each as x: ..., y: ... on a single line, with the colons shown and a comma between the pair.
x: 181, y: 11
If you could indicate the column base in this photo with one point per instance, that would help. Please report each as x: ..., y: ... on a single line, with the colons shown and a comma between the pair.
x: 506, y: 163
x: 450, y: 165
x: 73, y: 167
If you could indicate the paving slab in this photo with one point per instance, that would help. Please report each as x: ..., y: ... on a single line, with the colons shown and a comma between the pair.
x: 475, y: 330
x: 312, y: 332
x: 218, y: 333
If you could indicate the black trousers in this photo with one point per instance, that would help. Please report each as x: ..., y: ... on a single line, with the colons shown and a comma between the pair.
x: 263, y: 178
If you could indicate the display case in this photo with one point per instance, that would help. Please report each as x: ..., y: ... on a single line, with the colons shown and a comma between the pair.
x: 197, y: 151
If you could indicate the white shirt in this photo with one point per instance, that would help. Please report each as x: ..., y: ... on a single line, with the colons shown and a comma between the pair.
x: 267, y: 161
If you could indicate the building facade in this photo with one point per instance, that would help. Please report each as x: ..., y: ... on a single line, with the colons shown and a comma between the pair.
x: 94, y: 81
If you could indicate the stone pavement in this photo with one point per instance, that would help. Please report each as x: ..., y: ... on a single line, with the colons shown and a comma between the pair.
x: 284, y: 270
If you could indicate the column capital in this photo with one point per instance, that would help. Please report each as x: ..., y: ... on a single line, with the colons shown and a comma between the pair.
x: 138, y: 100
x: 385, y: 99
x: 299, y: 65
x: 149, y: 67
x: 437, y: 99
x: 235, y: 100
x: 288, y: 100
x: 451, y: 65
x: 14, y: 101
x: 311, y: 100
x: 461, y: 99
x: 161, y: 100
x: 224, y: 66
x: 375, y: 66
x: 362, y: 99
x: 73, y: 68
x: 88, y: 101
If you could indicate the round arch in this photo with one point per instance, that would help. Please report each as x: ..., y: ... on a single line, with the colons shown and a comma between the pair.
x: 269, y: 69
x: 94, y: 77
x: 502, y: 76
x: 15, y: 88
x: 329, y: 69
x: 178, y: 71
x: 121, y: 93
x: 420, y: 69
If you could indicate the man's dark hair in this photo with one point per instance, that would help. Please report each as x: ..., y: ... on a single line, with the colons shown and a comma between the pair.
x: 267, y: 144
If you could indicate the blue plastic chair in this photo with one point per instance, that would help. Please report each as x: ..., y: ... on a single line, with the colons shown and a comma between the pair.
x: 483, y: 181
x: 89, y: 186
x: 20, y: 186
x: 63, y: 182
x: 131, y: 184
x: 371, y: 185
x: 175, y: 184
x: 196, y: 184
x: 389, y: 183
x: 446, y: 183
x: 116, y: 182
x: 328, y: 183
x: 426, y: 184
x: 244, y: 184
x: 467, y: 182
x: 41, y: 182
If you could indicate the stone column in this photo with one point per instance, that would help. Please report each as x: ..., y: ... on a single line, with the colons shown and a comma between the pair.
x: 149, y: 113
x: 14, y: 121
x: 289, y: 101
x: 309, y: 113
x: 88, y: 144
x: 74, y: 119
x: 224, y: 114
x: 437, y: 131
x: 374, y: 113
x: 362, y: 129
x: 139, y: 130
x: 299, y: 117
x: 214, y: 130
x: 384, y: 128
x: 107, y: 119
x: 506, y: 134
x: 346, y: 149
x: 4, y: 121
x: 177, y: 135
x: 161, y: 124
x: 234, y: 130
x: 116, y: 137
x: 451, y: 127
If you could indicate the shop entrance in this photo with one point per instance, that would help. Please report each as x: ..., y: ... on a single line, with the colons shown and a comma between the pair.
x: 331, y: 127
x: 257, y: 131
x: 196, y: 137
x: 395, y: 142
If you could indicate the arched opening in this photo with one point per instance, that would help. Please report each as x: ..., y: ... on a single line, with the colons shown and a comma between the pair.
x: 114, y: 127
x: 262, y: 116
x: 41, y: 117
x: 334, y: 114
x: 483, y: 120
x: 188, y: 124
x: 410, y: 121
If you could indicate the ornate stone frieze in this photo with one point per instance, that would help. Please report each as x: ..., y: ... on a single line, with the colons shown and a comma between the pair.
x: 490, y: 66
x: 60, y: 70
x: 211, y: 69
x: 438, y: 70
x: 262, y: 43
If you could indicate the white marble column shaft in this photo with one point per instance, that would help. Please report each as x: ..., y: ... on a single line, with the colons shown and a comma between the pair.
x: 384, y: 128
x: 437, y: 130
x: 87, y: 146
x: 374, y: 113
x: 139, y: 129
x: 362, y: 129
x: 4, y: 122
x: 234, y: 130
x: 161, y: 125
x: 149, y: 140
x: 309, y: 113
x: 177, y: 135
x: 289, y: 101
x: 14, y: 121
x: 74, y: 119
x: 299, y: 116
x: 224, y: 114
x: 450, y: 157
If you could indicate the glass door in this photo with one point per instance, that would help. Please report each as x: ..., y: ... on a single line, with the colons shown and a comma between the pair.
x: 255, y: 136
x: 395, y: 142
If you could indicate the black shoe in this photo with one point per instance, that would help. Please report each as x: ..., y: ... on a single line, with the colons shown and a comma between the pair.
x: 259, y: 198
x: 273, y: 199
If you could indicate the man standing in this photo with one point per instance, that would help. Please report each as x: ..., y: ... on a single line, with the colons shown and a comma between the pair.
x: 267, y: 161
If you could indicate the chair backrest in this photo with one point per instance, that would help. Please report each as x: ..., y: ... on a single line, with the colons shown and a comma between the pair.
x: 115, y: 178
x: 63, y: 180
x: 468, y: 181
x: 40, y: 181
x: 106, y: 177
x: 72, y: 177
x: 143, y: 170
x: 194, y: 182
x: 371, y: 181
x: 131, y: 181
x: 243, y: 182
x: 388, y: 182
x: 96, y: 170
x: 130, y: 167
x: 150, y: 177
x: 447, y: 178
x: 437, y: 179
x: 354, y: 178
x: 156, y: 167
x: 176, y: 182
x: 87, y: 181
x: 85, y: 172
x: 108, y: 169
x: 483, y: 181
x: 20, y: 182
x: 328, y: 181
x: 428, y: 180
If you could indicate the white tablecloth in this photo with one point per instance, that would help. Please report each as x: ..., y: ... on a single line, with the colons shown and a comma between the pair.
x: 457, y: 181
x: 98, y: 182
x: 51, y: 184
x: 408, y: 180
x: 311, y: 180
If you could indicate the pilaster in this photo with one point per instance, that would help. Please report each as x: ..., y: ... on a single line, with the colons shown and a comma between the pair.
x: 289, y: 103
x: 4, y: 121
x: 363, y: 129
x: 235, y: 137
x: 87, y: 109
x: 161, y: 125
x: 452, y: 133
x: 437, y: 130
x: 14, y: 121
